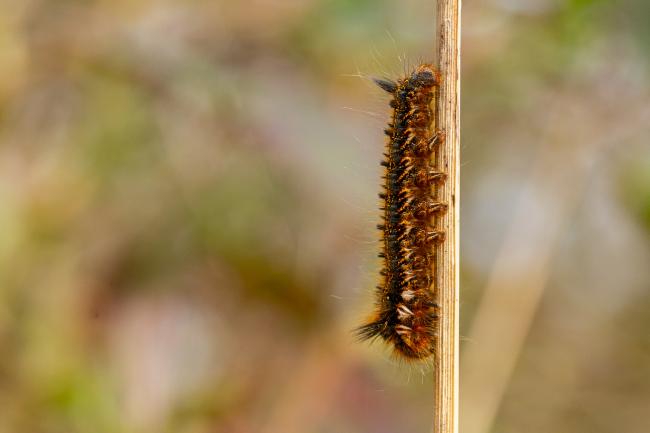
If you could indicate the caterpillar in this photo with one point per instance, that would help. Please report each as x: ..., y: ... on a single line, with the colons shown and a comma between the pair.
x: 406, y: 312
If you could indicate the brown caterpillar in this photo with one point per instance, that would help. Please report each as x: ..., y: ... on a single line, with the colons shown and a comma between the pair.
x: 406, y: 311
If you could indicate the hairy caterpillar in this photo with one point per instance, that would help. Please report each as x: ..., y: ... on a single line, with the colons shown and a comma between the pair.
x: 406, y: 311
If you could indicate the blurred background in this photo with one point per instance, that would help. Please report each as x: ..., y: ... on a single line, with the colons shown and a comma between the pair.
x: 188, y: 209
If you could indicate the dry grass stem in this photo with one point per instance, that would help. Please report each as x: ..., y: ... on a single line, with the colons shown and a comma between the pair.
x: 447, y: 253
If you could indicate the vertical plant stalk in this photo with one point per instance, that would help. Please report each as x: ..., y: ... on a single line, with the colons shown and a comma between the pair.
x: 447, y: 254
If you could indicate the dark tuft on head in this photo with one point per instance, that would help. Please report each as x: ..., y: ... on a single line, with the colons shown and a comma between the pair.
x: 387, y: 85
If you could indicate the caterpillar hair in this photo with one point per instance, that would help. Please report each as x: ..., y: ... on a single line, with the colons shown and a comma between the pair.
x: 405, y: 309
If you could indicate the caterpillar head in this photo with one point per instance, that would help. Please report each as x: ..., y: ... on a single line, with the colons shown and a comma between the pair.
x: 426, y: 75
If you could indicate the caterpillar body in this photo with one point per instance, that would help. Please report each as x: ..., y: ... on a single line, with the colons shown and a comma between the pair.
x: 406, y: 312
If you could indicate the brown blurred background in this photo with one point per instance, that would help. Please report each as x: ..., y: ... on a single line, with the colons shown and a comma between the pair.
x: 188, y: 202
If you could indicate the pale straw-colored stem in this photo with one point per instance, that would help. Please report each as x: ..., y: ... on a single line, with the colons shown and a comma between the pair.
x: 448, y: 160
